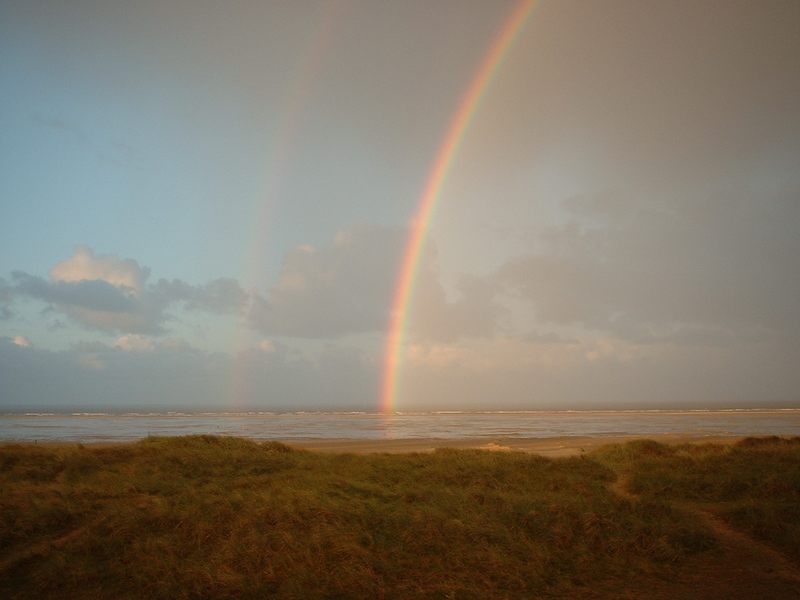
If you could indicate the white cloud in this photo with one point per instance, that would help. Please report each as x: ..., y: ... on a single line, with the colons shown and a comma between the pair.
x: 112, y: 294
x: 21, y: 340
x: 134, y: 343
x: 266, y: 346
x: 84, y: 265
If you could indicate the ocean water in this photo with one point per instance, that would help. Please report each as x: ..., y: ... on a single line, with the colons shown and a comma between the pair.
x: 110, y: 427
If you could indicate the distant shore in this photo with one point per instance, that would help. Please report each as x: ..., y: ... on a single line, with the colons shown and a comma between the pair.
x: 775, y: 410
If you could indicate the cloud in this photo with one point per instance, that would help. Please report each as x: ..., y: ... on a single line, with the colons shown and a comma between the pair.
x: 346, y: 287
x: 96, y: 303
x: 173, y: 376
x: 93, y: 295
x: 134, y: 343
x: 474, y: 312
x: 21, y: 340
x: 220, y: 296
x: 266, y: 346
x: 599, y: 371
x: 100, y: 292
x: 705, y: 269
x: 342, y: 288
x: 110, y: 294
x: 84, y: 265
x: 92, y: 362
x: 6, y: 297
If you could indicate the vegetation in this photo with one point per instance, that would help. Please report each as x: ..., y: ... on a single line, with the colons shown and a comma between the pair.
x: 754, y: 485
x: 217, y: 517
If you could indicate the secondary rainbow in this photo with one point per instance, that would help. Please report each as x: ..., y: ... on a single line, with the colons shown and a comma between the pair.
x: 298, y: 95
x: 448, y: 149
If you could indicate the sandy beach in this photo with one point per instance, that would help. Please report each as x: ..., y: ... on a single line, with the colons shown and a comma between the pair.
x: 553, y: 447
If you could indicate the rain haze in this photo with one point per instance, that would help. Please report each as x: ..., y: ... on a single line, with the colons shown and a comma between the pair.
x: 213, y: 205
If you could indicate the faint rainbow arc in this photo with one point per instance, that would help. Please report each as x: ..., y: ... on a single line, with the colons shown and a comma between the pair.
x: 448, y: 149
x: 283, y: 147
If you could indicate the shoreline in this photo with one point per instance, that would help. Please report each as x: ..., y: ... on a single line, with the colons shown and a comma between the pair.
x: 550, y: 446
x: 781, y: 410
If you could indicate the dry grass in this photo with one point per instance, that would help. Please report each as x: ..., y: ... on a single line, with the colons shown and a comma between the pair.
x: 754, y: 485
x: 210, y: 517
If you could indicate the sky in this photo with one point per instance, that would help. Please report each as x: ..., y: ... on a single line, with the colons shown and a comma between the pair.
x: 207, y: 205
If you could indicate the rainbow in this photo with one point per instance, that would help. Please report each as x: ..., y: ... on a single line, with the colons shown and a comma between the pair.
x: 297, y: 96
x: 448, y: 149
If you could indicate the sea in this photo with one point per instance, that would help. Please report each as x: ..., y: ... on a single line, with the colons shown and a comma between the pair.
x: 310, y: 425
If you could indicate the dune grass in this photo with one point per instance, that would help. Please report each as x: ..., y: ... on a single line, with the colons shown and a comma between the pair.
x: 221, y: 517
x: 754, y: 485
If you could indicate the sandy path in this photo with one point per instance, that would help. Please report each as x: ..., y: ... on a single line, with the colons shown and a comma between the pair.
x: 742, y: 568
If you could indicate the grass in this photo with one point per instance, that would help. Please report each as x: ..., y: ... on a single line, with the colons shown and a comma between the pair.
x: 754, y: 485
x: 215, y: 517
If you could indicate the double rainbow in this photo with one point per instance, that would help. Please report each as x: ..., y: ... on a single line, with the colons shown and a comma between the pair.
x: 448, y: 149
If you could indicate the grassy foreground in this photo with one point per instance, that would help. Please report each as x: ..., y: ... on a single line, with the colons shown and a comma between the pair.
x: 754, y: 485
x: 211, y: 517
